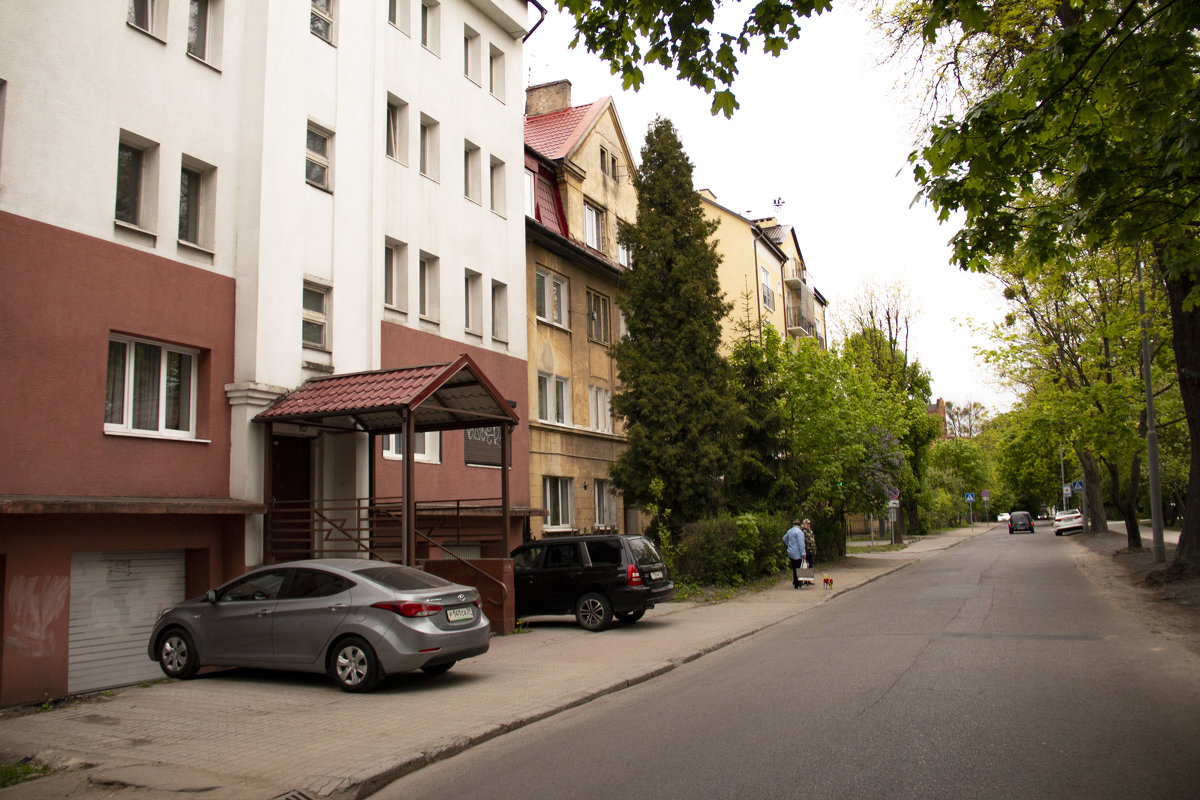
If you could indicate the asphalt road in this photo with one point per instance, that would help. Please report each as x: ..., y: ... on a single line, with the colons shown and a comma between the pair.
x: 993, y: 670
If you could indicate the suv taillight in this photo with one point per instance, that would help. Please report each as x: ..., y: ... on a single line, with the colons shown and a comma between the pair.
x: 632, y: 576
x: 410, y: 609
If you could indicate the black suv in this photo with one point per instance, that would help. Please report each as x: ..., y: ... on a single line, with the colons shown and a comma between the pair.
x: 1020, y: 522
x: 595, y: 577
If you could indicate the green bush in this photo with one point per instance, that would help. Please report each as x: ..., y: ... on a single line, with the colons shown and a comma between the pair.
x: 730, y: 551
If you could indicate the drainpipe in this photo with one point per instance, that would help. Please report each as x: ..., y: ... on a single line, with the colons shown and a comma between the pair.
x: 756, y: 234
x: 542, y: 10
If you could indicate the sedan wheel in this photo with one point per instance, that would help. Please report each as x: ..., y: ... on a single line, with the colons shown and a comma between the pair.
x: 177, y: 654
x: 630, y: 617
x: 354, y: 665
x: 593, y: 612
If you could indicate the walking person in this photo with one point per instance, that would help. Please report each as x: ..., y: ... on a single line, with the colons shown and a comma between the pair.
x: 810, y: 542
x: 793, y: 540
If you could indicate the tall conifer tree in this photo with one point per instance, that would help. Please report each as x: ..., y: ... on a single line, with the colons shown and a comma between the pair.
x: 680, y: 416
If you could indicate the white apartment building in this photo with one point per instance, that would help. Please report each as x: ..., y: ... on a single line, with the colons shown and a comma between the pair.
x: 203, y: 205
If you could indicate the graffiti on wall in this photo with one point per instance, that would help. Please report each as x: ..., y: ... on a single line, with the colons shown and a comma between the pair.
x: 35, y: 602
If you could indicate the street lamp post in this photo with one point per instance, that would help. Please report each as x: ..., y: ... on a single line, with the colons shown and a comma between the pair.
x: 1160, y: 550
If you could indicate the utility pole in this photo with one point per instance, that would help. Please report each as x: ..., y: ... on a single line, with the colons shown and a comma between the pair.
x: 1160, y: 550
x: 1062, y: 474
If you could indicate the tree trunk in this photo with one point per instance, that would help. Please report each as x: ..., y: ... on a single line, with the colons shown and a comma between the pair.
x: 1126, y: 500
x: 1185, y: 325
x: 1093, y: 492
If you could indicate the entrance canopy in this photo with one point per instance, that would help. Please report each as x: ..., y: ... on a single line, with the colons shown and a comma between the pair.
x: 452, y: 396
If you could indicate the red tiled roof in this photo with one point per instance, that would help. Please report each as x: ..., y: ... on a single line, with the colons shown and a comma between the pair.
x: 376, y: 400
x: 554, y: 134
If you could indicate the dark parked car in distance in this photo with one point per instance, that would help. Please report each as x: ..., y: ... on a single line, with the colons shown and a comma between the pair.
x: 595, y: 577
x: 355, y: 619
x: 1020, y: 522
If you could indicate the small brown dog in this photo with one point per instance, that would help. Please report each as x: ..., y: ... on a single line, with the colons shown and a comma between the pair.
x: 828, y: 582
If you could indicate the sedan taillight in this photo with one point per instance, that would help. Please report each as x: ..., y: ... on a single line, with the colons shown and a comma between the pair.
x: 632, y: 576
x: 410, y: 609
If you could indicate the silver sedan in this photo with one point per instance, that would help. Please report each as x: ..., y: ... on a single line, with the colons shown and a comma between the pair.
x: 357, y: 620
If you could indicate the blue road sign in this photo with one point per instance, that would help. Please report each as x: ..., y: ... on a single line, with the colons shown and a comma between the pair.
x: 1077, y: 486
x: 970, y: 497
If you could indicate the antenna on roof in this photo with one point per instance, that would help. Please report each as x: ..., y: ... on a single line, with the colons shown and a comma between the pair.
x: 778, y: 203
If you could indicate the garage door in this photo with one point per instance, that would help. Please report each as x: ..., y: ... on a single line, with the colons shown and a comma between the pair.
x: 115, y: 600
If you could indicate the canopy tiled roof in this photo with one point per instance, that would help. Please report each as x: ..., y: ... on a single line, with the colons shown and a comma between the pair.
x: 554, y: 135
x: 450, y: 396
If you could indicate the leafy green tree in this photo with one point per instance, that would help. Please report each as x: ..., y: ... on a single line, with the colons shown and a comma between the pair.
x: 674, y: 397
x: 759, y: 480
x: 958, y: 466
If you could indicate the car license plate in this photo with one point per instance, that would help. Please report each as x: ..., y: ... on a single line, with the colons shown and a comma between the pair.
x: 656, y: 575
x: 459, y: 614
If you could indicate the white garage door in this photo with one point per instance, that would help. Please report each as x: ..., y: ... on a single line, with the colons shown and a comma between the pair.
x: 115, y: 600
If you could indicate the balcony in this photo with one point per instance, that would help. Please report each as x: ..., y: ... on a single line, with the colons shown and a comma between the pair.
x: 793, y: 273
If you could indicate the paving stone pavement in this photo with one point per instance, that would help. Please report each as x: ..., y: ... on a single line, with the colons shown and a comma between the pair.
x: 257, y: 735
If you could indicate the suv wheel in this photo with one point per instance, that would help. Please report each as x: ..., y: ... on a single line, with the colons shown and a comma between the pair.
x: 629, y: 617
x: 593, y: 612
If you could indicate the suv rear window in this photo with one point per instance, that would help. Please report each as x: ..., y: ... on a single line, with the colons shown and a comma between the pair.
x: 644, y: 551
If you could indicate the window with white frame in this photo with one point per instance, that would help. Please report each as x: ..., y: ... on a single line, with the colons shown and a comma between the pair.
x: 558, y: 495
x: 600, y: 409
x: 554, y: 398
x: 499, y: 311
x: 396, y: 145
x: 318, y: 157
x: 768, y: 294
x: 400, y: 13
x: 622, y: 247
x: 593, y: 226
x: 395, y: 275
x: 427, y: 446
x: 431, y: 26
x: 530, y: 209
x: 137, y: 181
x: 149, y: 16
x: 197, y: 202
x: 473, y: 302
x: 496, y: 72
x: 472, y: 158
x: 204, y: 30
x: 606, y: 505
x: 551, y: 300
x: 429, y: 147
x: 472, y: 53
x: 151, y: 388
x: 597, y: 317
x: 496, y: 185
x: 428, y: 288
x: 320, y: 21
x: 314, y: 326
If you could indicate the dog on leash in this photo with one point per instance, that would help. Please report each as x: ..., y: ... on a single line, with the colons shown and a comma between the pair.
x: 828, y: 582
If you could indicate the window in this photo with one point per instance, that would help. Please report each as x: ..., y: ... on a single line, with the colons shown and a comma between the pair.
x: 318, y: 157
x: 430, y: 26
x: 198, y: 28
x: 622, y: 247
x: 558, y: 494
x: 551, y: 297
x: 499, y: 311
x: 530, y: 208
x: 320, y: 21
x: 554, y: 399
x: 496, y: 185
x: 600, y: 409
x: 396, y: 145
x: 597, y: 306
x: 137, y: 181
x: 196, y: 202
x: 608, y: 164
x: 767, y: 294
x: 496, y: 72
x: 151, y: 388
x: 427, y: 288
x: 395, y: 275
x: 473, y: 302
x: 427, y: 446
x: 483, y: 447
x: 399, y: 14
x: 593, y: 226
x: 429, y: 147
x: 149, y: 16
x: 315, y: 325
x: 471, y: 167
x: 606, y: 505
x: 472, y: 47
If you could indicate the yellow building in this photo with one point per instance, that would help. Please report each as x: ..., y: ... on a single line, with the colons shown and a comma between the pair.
x: 578, y: 192
x: 763, y: 275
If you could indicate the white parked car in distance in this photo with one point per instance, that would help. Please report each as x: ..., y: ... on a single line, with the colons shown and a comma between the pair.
x: 1067, y: 521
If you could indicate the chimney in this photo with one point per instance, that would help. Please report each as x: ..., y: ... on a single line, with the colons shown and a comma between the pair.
x: 546, y: 98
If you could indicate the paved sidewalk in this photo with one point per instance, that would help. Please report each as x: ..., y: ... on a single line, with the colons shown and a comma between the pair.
x: 252, y: 736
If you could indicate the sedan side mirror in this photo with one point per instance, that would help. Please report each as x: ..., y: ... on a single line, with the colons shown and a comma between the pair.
x: 210, y: 596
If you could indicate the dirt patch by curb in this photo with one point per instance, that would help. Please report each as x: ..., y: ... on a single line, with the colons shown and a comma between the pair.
x: 1171, y: 608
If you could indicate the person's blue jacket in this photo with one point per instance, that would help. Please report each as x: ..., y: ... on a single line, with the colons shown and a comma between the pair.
x: 793, y: 540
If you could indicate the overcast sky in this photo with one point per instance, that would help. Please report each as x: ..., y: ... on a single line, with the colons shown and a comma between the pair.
x: 826, y: 129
